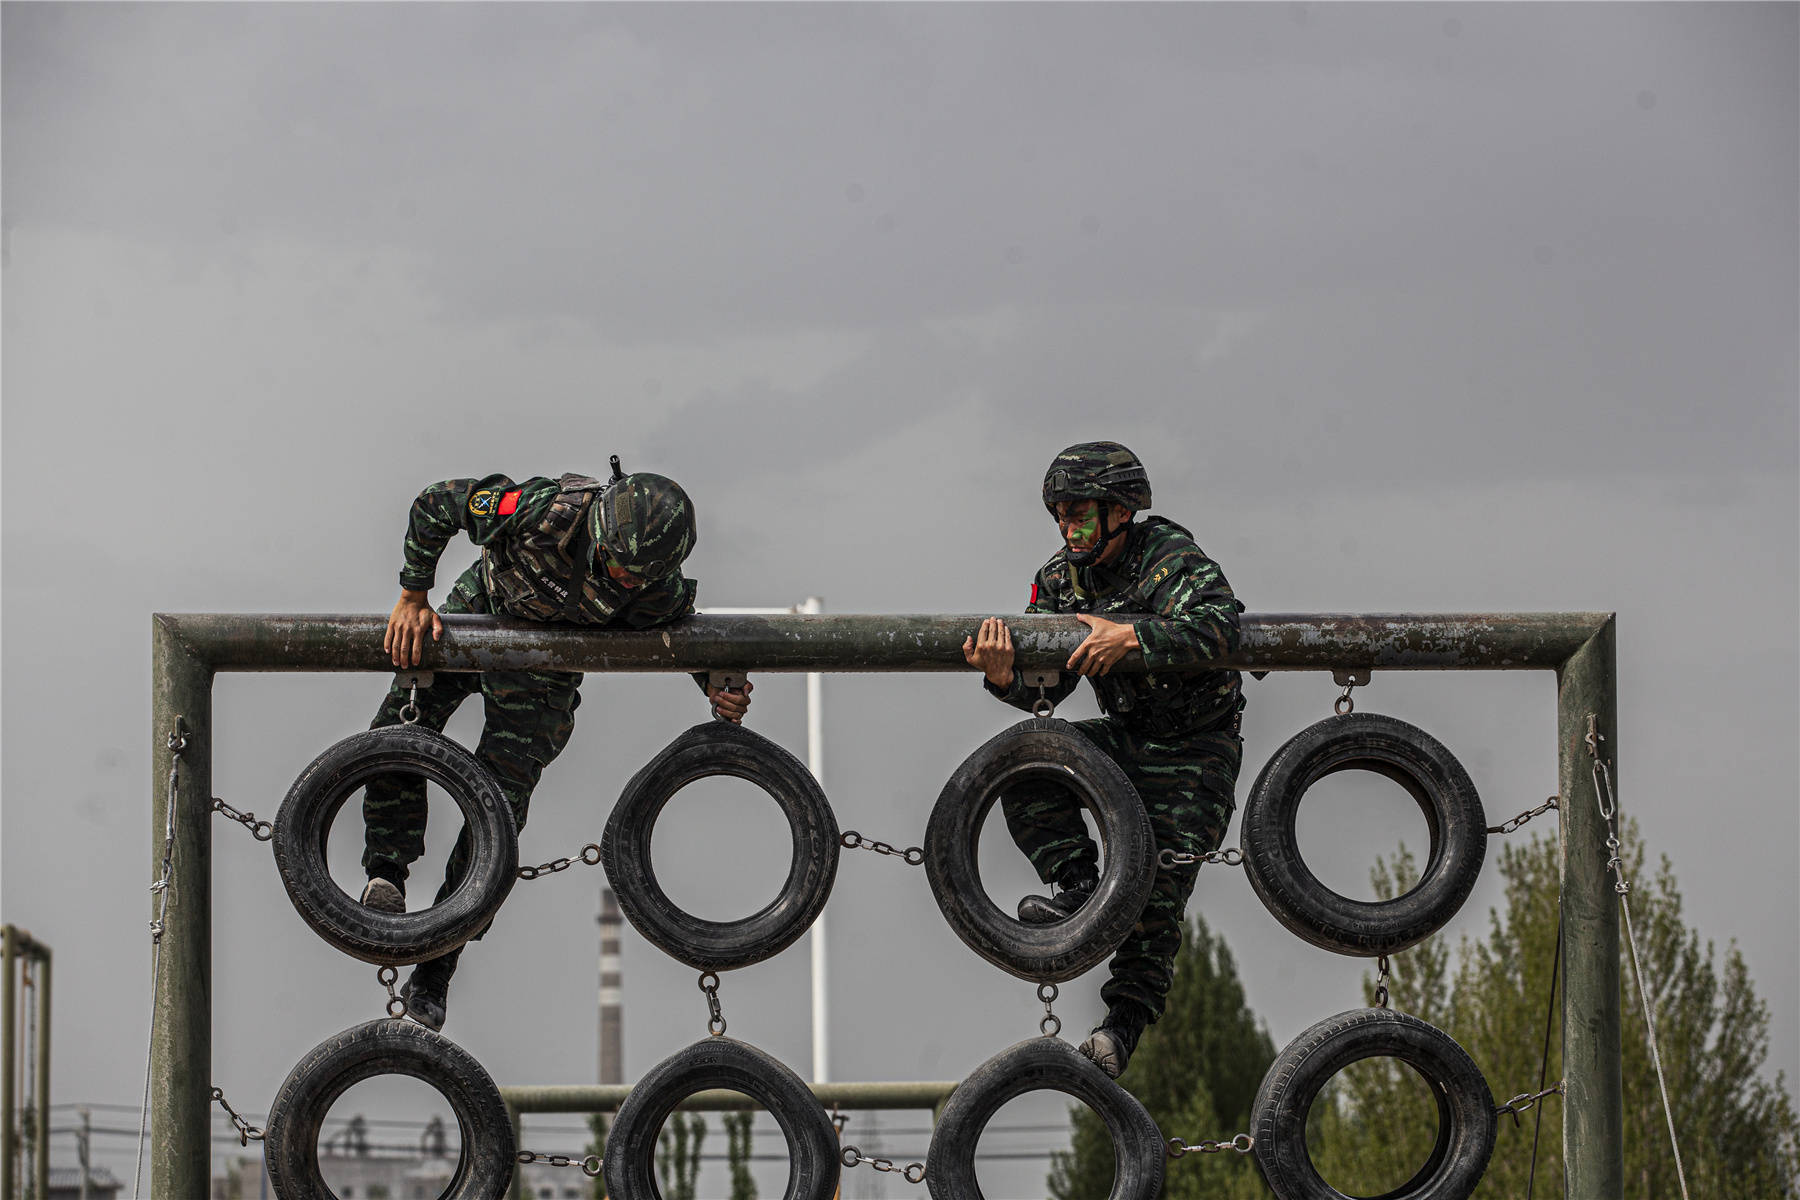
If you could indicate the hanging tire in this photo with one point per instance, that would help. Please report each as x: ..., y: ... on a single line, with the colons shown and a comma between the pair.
x: 722, y: 1062
x: 394, y: 939
x: 1035, y: 1065
x: 1430, y: 774
x: 1465, y: 1107
x: 388, y: 1047
x: 722, y: 748
x: 1046, y: 748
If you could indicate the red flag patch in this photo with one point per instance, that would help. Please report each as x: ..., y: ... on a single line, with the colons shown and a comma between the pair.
x: 509, y: 504
x: 1034, y: 593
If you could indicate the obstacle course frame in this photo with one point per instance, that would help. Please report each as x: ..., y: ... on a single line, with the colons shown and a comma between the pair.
x: 187, y: 650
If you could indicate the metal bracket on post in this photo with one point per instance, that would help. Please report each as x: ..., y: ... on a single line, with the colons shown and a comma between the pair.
x: 413, y: 679
x: 725, y: 681
x: 1042, y: 681
x: 1348, y: 678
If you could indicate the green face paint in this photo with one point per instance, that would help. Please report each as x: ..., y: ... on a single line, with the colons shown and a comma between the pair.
x: 1085, y: 533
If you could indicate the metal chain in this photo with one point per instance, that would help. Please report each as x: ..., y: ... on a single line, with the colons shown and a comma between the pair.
x: 1552, y: 804
x: 590, y: 1166
x: 1525, y: 1100
x: 246, y: 1132
x: 1349, y: 678
x: 913, y: 856
x: 1233, y: 857
x: 911, y: 1172
x: 1051, y: 1025
x: 396, y: 1004
x: 262, y: 831
x: 1045, y: 708
x: 589, y: 854
x: 1243, y: 1143
x: 409, y: 712
x: 1382, y: 971
x: 715, y: 1022
x: 1609, y: 805
x: 177, y: 743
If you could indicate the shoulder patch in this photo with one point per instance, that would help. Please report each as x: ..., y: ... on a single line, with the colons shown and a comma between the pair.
x: 509, y: 503
x: 1034, y: 593
x: 482, y: 503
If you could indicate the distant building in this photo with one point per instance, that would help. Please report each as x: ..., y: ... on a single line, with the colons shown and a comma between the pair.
x: 65, y: 1184
x: 378, y: 1176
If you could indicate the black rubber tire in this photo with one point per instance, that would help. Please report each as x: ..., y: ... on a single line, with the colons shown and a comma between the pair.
x: 722, y: 748
x: 388, y: 1047
x: 1430, y: 774
x: 394, y: 939
x: 1466, y: 1120
x: 722, y: 1062
x: 1035, y: 1065
x: 1057, y: 952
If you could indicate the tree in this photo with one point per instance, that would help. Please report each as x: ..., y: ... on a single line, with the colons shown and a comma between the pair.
x: 737, y: 1146
x: 1738, y: 1130
x: 1196, y: 1071
x: 678, y: 1155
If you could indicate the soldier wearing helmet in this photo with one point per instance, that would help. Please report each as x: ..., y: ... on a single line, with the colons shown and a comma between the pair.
x: 1140, y: 585
x: 572, y: 550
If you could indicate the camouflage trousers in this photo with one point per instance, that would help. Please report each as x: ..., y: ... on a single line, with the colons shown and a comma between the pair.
x: 1188, y: 785
x: 527, y: 719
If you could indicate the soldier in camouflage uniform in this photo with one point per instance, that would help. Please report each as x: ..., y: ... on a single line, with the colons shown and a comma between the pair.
x: 1174, y: 728
x: 570, y: 550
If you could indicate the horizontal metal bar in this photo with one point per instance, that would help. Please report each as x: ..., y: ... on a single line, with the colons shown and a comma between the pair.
x: 592, y: 1098
x: 868, y: 642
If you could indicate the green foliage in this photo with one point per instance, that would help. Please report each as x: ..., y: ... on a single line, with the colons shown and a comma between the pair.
x: 678, y: 1155
x: 1197, y: 1071
x: 1738, y: 1130
x: 737, y: 1137
x: 597, y: 1125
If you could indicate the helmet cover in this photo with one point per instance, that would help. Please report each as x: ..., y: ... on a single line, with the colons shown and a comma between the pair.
x: 645, y: 522
x: 1104, y: 471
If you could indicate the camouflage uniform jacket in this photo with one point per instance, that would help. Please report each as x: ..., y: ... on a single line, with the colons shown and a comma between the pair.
x: 1192, y: 621
x: 537, y: 554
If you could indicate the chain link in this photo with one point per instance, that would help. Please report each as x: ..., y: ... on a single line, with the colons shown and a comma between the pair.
x: 590, y: 854
x: 1524, y: 1100
x: 1051, y: 1025
x: 1232, y: 857
x: 1045, y: 708
x: 715, y: 1022
x: 913, y: 856
x: 911, y: 1172
x: 1382, y: 970
x: 1243, y: 1143
x: 409, y: 712
x: 246, y: 1132
x: 396, y: 1003
x: 1553, y: 804
x: 590, y: 1166
x: 1609, y: 805
x: 262, y: 831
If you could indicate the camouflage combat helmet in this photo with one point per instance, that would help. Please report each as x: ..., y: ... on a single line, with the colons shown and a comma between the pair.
x: 1102, y: 471
x: 645, y: 523
x: 1097, y: 471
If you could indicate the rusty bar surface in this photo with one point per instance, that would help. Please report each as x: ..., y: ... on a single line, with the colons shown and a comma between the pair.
x: 870, y: 642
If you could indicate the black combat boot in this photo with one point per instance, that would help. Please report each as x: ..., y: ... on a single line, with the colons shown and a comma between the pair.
x: 427, y: 990
x: 1045, y: 910
x: 1113, y: 1041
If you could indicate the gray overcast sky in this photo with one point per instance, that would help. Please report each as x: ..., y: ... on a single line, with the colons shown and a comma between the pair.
x: 1419, y: 307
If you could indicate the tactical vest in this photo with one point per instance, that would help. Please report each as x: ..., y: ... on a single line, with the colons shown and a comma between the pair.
x: 539, y: 572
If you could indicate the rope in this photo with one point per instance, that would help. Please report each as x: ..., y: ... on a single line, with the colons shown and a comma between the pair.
x: 1544, y: 1070
x: 1655, y: 1054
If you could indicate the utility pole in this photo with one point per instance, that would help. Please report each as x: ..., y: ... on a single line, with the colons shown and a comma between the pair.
x: 81, y: 1148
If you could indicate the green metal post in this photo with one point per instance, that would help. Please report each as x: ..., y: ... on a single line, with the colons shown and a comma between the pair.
x: 9, y: 1024
x: 1593, y: 1123
x: 181, y: 1045
x: 41, y: 1159
x: 517, y: 1191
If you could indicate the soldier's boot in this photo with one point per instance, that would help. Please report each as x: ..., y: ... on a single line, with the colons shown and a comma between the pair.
x: 1113, y: 1041
x: 383, y: 896
x: 1076, y: 891
x: 427, y: 991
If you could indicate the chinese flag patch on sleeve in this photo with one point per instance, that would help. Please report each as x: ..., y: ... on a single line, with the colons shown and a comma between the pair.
x: 509, y: 504
x: 1034, y: 593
